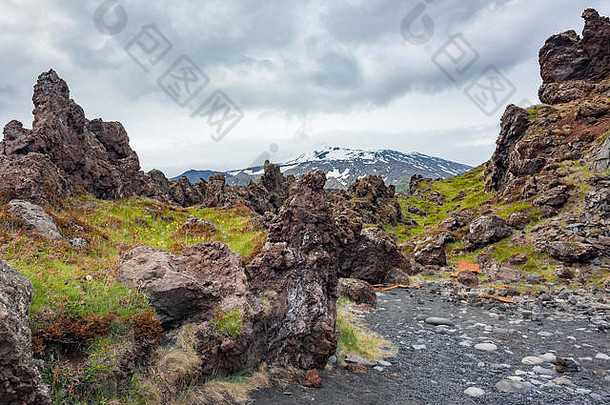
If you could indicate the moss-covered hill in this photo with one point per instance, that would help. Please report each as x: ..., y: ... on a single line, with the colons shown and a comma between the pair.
x: 432, y: 204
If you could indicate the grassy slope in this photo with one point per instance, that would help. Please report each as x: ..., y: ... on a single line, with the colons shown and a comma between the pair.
x: 77, y: 299
x: 472, y: 183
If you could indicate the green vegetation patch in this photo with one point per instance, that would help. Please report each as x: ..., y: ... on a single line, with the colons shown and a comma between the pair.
x: 355, y: 338
x: 461, y: 192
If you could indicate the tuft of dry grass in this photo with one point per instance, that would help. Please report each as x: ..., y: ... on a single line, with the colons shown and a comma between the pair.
x: 174, y: 377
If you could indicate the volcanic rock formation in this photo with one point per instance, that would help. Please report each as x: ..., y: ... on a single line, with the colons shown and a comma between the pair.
x: 20, y: 381
x: 65, y: 152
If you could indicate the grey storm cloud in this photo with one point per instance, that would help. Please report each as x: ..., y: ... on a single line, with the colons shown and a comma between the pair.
x: 324, y: 56
x: 282, y: 58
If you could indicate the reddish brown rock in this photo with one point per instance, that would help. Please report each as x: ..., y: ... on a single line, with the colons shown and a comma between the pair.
x: 184, y: 193
x: 276, y: 185
x: 32, y: 177
x: 298, y: 268
x: 517, y: 259
x: 431, y: 251
x: 504, y: 273
x: 570, y: 251
x: 502, y: 167
x: 216, y: 191
x: 370, y: 200
x: 468, y: 278
x: 93, y: 156
x: 569, y: 63
x: 519, y: 220
x: 357, y: 291
x: 372, y: 256
x: 486, y: 230
x: 312, y: 380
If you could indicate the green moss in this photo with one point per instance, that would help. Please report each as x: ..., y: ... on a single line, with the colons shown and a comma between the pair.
x: 508, y: 210
x: 533, y: 113
x: 229, y: 322
x: 472, y: 183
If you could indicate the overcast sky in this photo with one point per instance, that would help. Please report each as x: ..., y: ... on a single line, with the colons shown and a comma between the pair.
x: 305, y: 74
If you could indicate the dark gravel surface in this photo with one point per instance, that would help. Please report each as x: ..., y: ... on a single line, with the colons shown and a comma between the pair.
x: 435, y: 365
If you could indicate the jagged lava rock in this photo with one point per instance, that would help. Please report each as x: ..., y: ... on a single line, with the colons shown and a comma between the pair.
x: 275, y: 183
x: 216, y: 191
x: 372, y: 256
x: 20, y: 381
x: 93, y: 156
x: 370, y: 200
x: 184, y: 193
x: 299, y: 265
x: 571, y: 65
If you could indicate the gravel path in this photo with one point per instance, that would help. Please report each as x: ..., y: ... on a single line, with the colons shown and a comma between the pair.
x: 489, y: 356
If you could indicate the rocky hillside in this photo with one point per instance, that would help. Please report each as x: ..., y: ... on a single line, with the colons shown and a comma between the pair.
x: 539, y: 210
x: 343, y: 166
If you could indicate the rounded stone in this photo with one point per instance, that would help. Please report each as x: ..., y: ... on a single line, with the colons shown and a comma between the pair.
x: 532, y: 360
x: 474, y: 392
x: 433, y: 320
x: 486, y: 347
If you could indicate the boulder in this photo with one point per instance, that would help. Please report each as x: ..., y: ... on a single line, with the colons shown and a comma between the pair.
x: 175, y: 295
x: 468, y: 278
x: 431, y: 251
x: 297, y: 267
x: 398, y: 276
x: 372, y: 256
x: 186, y: 287
x: 20, y: 380
x: 518, y: 259
x: 35, y: 217
x: 357, y: 291
x: 519, y: 220
x: 570, y: 251
x: 556, y: 197
x: 486, y: 230
x: 502, y: 272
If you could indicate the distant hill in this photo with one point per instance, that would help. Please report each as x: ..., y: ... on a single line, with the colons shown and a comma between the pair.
x: 343, y: 166
x: 194, y: 176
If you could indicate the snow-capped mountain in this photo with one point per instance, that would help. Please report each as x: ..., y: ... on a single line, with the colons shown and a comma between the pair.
x: 343, y: 166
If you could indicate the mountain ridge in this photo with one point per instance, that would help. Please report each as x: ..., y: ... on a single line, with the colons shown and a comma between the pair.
x: 343, y: 166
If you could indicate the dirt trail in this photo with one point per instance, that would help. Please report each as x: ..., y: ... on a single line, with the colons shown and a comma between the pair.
x: 505, y: 356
